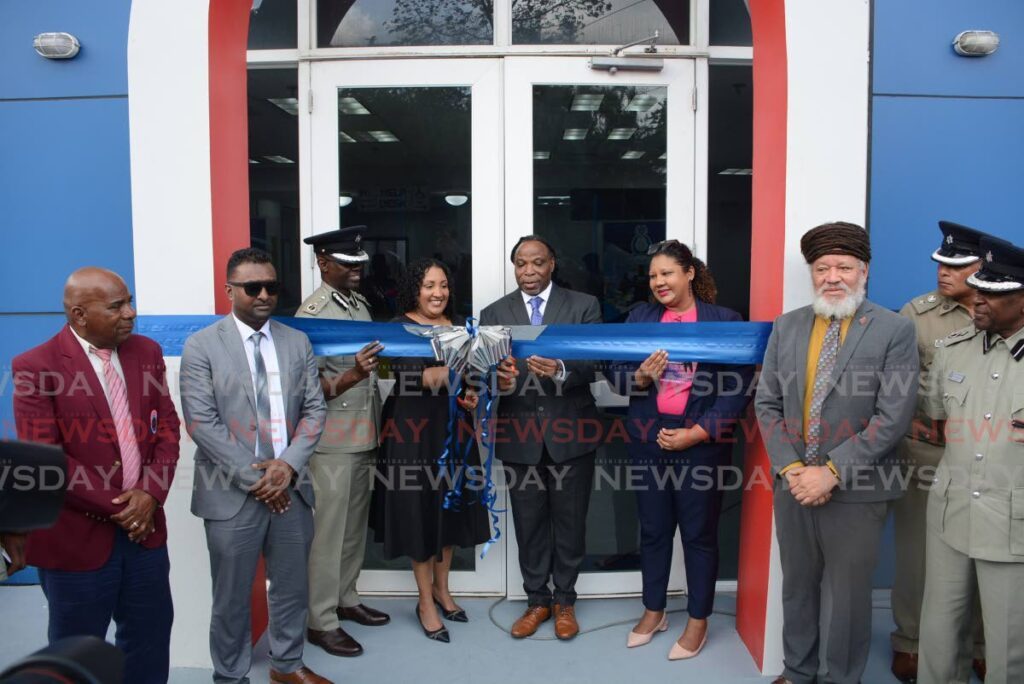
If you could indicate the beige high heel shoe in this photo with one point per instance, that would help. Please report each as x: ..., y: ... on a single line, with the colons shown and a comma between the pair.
x: 680, y: 653
x: 636, y: 639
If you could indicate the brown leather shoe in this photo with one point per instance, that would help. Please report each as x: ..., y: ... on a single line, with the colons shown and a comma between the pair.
x: 364, y: 615
x: 336, y: 642
x: 565, y: 622
x: 529, y: 621
x: 979, y: 667
x: 301, y: 676
x: 904, y: 666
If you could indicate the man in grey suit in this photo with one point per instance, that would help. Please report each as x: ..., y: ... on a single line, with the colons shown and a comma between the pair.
x: 836, y: 394
x: 543, y: 404
x: 252, y: 401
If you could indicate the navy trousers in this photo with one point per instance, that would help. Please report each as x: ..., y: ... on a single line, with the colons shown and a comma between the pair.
x: 133, y: 589
x: 687, y: 496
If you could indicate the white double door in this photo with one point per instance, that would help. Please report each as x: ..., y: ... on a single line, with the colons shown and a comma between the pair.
x: 546, y: 146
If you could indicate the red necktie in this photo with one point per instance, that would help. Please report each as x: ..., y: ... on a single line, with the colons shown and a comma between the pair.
x: 131, y: 459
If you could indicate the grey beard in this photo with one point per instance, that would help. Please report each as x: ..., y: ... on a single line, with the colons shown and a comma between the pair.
x: 839, y: 310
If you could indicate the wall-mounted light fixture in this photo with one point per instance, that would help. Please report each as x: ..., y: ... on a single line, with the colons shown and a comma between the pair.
x: 456, y: 199
x: 56, y: 45
x: 976, y: 43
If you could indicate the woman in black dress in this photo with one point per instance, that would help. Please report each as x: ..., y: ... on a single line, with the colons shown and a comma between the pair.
x: 409, y: 514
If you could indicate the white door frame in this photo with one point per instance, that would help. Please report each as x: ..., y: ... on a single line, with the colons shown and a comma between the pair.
x: 521, y: 74
x: 318, y: 137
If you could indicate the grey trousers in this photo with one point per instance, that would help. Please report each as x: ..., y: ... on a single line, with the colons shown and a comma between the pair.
x: 952, y: 581
x: 909, y: 515
x: 343, y: 484
x: 235, y: 546
x: 831, y: 550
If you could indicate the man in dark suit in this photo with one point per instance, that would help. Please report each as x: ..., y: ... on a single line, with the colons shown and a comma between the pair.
x: 543, y: 403
x: 836, y: 394
x: 100, y: 393
x: 250, y: 392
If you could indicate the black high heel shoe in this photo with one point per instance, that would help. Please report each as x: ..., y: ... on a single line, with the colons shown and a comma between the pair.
x: 457, y: 615
x: 436, y: 635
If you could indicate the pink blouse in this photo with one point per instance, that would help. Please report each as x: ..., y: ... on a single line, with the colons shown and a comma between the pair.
x: 676, y: 381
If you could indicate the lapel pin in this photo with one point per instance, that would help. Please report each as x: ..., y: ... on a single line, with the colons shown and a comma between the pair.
x: 863, y: 320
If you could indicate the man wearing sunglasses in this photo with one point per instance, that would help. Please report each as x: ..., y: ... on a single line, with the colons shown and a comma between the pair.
x: 252, y: 401
x: 343, y: 463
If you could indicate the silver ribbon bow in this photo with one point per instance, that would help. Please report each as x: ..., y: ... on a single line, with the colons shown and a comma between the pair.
x: 459, y: 348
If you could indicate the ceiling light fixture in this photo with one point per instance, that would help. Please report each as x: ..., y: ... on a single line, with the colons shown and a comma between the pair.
x: 278, y: 159
x: 633, y: 154
x: 344, y: 200
x: 542, y: 155
x: 287, y: 104
x: 587, y: 102
x: 574, y: 134
x: 383, y: 136
x: 642, y: 102
x: 456, y: 200
x: 352, y: 106
x: 621, y: 133
x: 736, y: 172
x: 345, y: 137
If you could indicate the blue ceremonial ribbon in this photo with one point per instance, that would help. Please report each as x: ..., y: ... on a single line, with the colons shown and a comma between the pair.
x: 731, y: 343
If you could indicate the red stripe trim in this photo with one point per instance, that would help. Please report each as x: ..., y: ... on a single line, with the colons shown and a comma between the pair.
x: 229, y: 153
x: 229, y: 179
x: 768, y: 25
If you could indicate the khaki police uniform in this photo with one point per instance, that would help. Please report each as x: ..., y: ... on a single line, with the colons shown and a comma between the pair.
x: 975, y: 519
x: 935, y: 316
x: 342, y: 471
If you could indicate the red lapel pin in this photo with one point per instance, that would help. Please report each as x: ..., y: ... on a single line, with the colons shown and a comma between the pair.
x: 863, y: 320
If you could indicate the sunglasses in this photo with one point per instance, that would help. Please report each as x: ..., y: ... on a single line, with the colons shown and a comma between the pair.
x: 254, y: 287
x: 657, y: 246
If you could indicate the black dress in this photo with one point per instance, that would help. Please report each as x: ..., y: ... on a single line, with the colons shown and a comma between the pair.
x: 408, y: 513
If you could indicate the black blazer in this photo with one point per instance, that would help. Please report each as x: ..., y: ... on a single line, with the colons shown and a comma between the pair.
x: 540, y: 413
x: 718, y: 398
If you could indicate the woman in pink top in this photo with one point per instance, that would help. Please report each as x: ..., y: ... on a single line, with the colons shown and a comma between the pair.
x: 680, y: 423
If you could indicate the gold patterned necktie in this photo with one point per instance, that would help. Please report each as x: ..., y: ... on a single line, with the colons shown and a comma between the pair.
x: 822, y: 384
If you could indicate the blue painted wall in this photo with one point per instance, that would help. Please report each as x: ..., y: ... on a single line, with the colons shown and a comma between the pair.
x: 947, y: 135
x: 64, y: 170
x: 947, y: 139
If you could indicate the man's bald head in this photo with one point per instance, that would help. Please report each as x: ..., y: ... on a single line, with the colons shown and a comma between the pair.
x: 98, y: 306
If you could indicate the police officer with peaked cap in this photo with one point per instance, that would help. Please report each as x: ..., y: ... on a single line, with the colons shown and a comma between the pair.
x: 343, y: 463
x: 975, y: 520
x: 935, y: 314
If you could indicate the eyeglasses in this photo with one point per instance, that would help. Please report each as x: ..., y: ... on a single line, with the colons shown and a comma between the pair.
x: 658, y: 246
x: 253, y: 288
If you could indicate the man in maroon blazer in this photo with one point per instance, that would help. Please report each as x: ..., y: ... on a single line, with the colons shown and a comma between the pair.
x: 101, y: 394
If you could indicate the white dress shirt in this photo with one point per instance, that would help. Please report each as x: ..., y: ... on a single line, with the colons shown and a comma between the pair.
x: 278, y: 426
x: 545, y: 295
x: 97, y: 365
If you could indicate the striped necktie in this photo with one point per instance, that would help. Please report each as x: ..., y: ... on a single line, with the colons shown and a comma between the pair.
x: 536, y: 317
x: 822, y: 384
x: 131, y: 459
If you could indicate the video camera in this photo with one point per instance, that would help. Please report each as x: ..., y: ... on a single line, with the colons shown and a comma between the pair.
x: 33, y: 480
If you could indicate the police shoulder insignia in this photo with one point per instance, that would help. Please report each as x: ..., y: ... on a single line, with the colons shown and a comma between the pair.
x: 315, y: 306
x: 960, y: 335
x: 924, y: 303
x: 362, y: 300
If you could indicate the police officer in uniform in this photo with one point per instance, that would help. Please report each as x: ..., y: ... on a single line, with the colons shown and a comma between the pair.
x: 343, y: 463
x: 935, y: 314
x: 975, y: 521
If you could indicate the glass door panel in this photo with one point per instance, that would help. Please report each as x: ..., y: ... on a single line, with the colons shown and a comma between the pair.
x: 587, y: 167
x: 409, y: 149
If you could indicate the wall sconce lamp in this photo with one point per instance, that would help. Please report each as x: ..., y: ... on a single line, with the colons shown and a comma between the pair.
x: 56, y: 45
x: 976, y: 43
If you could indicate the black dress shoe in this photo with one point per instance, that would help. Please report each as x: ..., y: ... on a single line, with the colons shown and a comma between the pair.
x: 364, y: 615
x: 336, y: 642
x: 436, y: 635
x: 457, y: 615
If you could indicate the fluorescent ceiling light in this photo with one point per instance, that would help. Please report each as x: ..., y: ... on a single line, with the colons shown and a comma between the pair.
x: 345, y: 137
x: 574, y: 134
x: 735, y: 172
x: 350, y: 105
x: 587, y: 102
x: 278, y: 159
x: 383, y: 136
x: 542, y: 155
x: 642, y: 102
x: 288, y: 104
x: 253, y: 161
x: 344, y: 200
x: 456, y: 200
x: 621, y: 133
x: 552, y: 197
x: 664, y: 155
x: 633, y: 154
